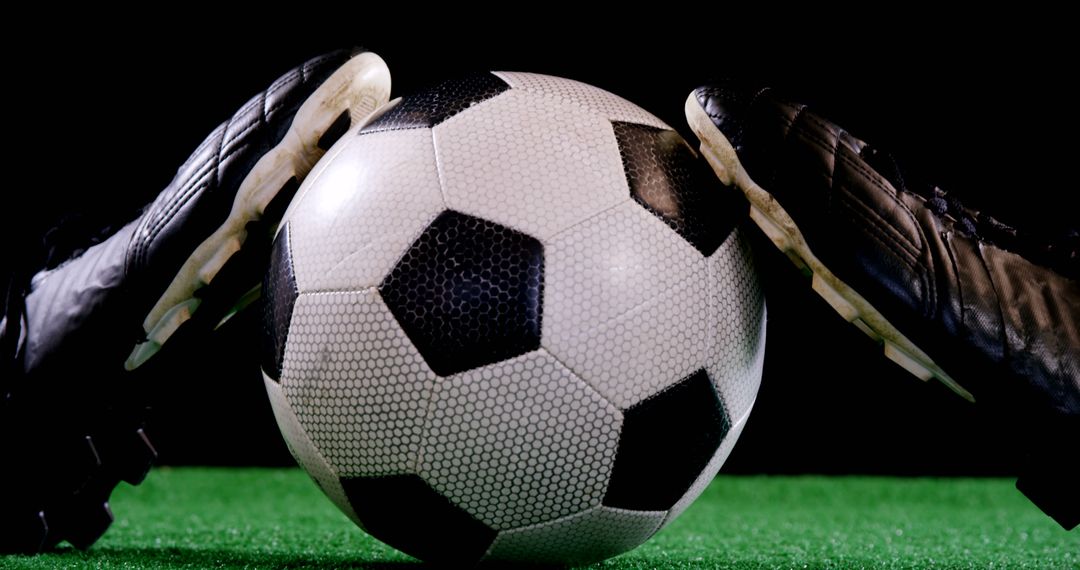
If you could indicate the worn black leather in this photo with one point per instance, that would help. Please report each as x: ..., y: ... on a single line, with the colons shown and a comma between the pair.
x: 81, y: 318
x: 143, y: 257
x: 998, y: 309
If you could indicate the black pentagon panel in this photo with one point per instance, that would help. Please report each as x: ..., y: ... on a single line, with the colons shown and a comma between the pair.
x: 432, y: 106
x: 468, y: 293
x: 666, y: 440
x: 668, y: 179
x: 406, y: 513
x: 279, y: 296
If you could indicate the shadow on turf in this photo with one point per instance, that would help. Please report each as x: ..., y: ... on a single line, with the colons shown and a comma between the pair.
x: 178, y: 557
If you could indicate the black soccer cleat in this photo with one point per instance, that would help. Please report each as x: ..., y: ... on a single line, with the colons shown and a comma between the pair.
x: 71, y: 417
x: 949, y: 293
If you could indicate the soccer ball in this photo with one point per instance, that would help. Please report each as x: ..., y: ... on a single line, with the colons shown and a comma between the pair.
x: 511, y: 318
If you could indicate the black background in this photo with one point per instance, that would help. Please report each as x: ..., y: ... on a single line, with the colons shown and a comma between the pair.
x: 103, y: 116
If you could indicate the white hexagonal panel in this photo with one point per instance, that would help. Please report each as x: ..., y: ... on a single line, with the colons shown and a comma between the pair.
x: 596, y: 534
x: 737, y: 318
x: 627, y: 276
x: 358, y: 385
x: 530, y: 163
x: 364, y: 209
x: 519, y: 442
x: 303, y: 450
x: 603, y: 103
x: 737, y: 332
x: 644, y: 350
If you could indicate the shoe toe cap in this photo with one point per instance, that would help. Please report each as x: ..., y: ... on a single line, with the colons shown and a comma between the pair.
x: 727, y: 104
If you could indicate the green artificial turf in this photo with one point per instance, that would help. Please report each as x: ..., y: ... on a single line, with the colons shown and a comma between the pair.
x: 260, y: 518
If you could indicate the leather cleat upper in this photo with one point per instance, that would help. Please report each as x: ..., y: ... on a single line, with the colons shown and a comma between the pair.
x: 119, y: 279
x: 997, y: 307
x: 71, y: 414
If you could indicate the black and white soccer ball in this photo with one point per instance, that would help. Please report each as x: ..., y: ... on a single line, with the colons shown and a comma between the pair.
x: 511, y: 318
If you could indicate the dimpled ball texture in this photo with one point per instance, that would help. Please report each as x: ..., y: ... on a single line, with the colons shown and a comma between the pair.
x: 511, y: 318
